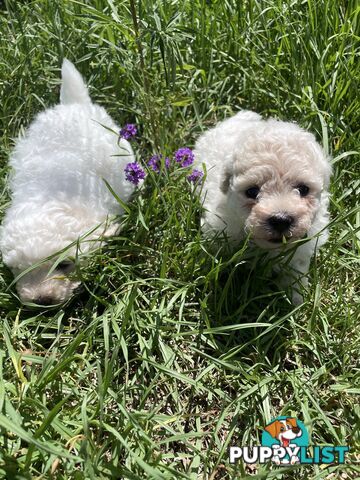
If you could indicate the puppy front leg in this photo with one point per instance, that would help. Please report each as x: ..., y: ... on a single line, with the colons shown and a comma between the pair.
x: 296, y: 276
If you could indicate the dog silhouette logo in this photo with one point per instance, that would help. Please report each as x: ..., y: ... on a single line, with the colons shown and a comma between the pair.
x: 285, y: 435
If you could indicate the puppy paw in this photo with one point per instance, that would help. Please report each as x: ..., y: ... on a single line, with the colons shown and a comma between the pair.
x: 296, y: 298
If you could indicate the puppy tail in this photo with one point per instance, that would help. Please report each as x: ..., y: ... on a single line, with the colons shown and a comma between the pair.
x: 73, y: 88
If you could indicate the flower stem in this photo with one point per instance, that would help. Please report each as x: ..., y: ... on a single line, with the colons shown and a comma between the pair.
x: 146, y: 81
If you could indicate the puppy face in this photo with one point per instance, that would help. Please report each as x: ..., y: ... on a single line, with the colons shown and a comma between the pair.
x: 284, y: 429
x: 46, y: 285
x: 276, y: 180
x: 33, y: 238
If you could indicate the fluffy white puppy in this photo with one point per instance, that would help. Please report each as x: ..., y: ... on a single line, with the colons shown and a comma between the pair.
x: 267, y: 179
x: 59, y: 196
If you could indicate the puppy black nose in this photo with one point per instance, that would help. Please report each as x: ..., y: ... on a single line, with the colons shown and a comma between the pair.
x: 44, y: 300
x: 280, y: 222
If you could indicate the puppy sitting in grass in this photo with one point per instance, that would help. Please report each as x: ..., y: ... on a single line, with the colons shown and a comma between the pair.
x: 267, y: 179
x: 60, y: 201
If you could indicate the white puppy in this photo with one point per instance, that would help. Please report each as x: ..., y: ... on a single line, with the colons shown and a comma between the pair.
x: 59, y: 196
x: 267, y: 179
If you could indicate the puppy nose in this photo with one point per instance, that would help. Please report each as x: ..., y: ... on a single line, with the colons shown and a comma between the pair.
x: 280, y: 222
x: 44, y: 300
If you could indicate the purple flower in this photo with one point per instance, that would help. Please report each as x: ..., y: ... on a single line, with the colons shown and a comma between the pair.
x: 155, y: 162
x: 184, y: 156
x: 195, y: 176
x: 134, y: 173
x: 129, y: 131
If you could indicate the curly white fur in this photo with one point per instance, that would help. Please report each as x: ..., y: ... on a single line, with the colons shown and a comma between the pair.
x: 276, y: 162
x: 58, y: 189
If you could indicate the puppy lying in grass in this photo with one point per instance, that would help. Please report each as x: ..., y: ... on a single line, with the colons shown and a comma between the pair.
x: 267, y: 179
x: 59, y: 196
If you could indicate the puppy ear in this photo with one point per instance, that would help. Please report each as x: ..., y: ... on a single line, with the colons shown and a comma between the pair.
x: 273, y: 429
x: 225, y: 178
x: 323, y: 160
x: 291, y: 421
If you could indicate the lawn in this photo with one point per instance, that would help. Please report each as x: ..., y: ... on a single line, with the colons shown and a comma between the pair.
x: 173, y: 353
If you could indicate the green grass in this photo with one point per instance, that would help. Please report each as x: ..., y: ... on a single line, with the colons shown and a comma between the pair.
x: 173, y: 353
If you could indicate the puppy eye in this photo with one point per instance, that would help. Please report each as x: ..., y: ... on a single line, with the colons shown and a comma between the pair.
x: 65, y: 267
x: 303, y: 189
x: 252, y: 192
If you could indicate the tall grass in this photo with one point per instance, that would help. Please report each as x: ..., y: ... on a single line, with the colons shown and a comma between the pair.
x: 173, y: 353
